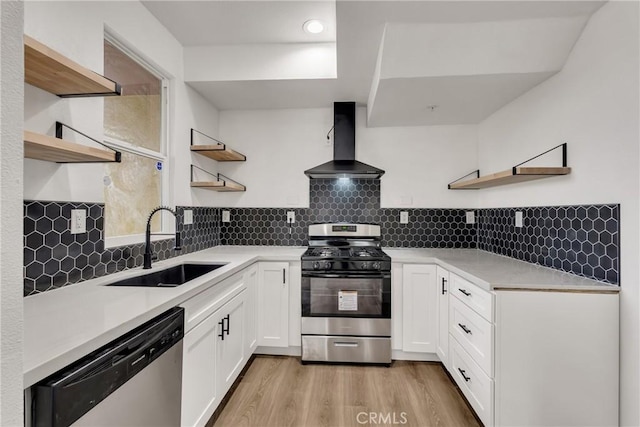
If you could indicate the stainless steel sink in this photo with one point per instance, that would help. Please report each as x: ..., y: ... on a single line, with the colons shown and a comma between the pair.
x: 169, y: 277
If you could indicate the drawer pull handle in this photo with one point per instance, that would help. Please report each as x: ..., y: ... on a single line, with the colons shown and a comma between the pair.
x: 464, y: 291
x: 222, y: 330
x: 443, y: 282
x: 462, y: 372
x: 345, y: 344
x: 464, y: 328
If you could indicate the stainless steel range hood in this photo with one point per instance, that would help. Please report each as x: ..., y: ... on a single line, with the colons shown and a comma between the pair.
x: 344, y: 164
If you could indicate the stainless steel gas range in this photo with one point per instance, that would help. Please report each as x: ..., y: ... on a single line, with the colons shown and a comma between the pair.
x: 346, y: 295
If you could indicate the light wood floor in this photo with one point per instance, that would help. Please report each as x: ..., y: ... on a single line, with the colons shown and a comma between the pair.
x: 280, y: 391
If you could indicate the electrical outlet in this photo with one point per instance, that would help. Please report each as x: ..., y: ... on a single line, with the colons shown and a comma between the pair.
x: 226, y: 216
x: 291, y: 217
x: 404, y: 217
x: 519, y: 219
x: 188, y: 217
x: 78, y: 221
x: 471, y: 217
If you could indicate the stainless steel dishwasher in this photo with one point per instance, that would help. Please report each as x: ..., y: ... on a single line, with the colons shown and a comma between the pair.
x: 135, y: 380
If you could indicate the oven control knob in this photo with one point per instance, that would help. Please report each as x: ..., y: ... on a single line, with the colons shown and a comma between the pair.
x: 375, y: 265
x: 316, y: 265
x: 327, y: 265
x: 363, y: 266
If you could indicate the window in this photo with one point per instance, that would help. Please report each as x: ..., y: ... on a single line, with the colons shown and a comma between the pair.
x: 134, y: 123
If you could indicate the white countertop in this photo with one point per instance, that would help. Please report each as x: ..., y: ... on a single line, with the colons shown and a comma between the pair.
x: 494, y: 272
x: 62, y: 325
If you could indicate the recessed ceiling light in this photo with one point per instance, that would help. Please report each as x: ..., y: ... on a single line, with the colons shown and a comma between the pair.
x: 313, y: 26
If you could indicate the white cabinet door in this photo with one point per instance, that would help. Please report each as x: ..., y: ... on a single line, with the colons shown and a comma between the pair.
x: 230, y: 349
x: 419, y: 308
x: 251, y: 309
x: 442, y: 344
x: 273, y: 304
x: 199, y: 397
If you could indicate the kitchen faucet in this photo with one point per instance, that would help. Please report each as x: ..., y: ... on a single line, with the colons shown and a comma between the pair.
x: 148, y: 254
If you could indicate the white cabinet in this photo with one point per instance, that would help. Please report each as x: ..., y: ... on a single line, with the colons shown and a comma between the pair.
x: 471, y: 342
x: 230, y: 348
x: 251, y: 309
x: 213, y: 356
x: 199, y: 397
x: 273, y: 304
x: 556, y: 358
x: 419, y: 308
x: 442, y: 341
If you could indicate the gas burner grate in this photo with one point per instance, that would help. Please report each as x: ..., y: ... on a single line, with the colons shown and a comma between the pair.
x: 365, y: 252
x: 325, y: 252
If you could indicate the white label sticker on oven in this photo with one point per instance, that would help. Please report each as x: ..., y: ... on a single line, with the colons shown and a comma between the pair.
x: 348, y: 300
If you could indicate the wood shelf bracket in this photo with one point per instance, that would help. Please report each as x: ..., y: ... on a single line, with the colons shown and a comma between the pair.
x: 517, y: 173
x: 217, y: 151
x: 221, y: 182
x: 59, y: 134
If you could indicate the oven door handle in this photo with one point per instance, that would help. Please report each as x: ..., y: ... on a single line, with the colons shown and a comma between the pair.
x: 376, y: 275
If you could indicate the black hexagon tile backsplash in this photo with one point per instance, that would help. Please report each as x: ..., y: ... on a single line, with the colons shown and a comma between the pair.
x: 583, y: 240
x: 53, y: 257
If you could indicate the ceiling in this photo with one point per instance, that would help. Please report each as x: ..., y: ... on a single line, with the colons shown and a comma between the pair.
x: 258, y: 40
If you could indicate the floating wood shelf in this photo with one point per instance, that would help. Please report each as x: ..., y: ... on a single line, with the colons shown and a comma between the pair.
x: 219, y: 186
x: 518, y: 173
x: 49, y: 70
x: 220, y: 182
x: 219, y: 152
x: 48, y: 148
x: 511, y: 176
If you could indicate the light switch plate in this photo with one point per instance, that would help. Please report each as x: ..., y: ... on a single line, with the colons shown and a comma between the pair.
x: 78, y: 221
x: 291, y: 217
x: 519, y: 219
x: 404, y: 217
x: 226, y: 216
x: 188, y: 217
x: 471, y: 217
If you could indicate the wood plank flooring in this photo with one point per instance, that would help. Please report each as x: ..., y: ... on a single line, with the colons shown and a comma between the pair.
x: 280, y: 391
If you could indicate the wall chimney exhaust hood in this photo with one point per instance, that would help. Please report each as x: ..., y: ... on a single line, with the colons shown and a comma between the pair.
x: 344, y: 163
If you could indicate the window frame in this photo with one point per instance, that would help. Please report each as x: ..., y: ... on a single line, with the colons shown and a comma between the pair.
x: 167, y: 224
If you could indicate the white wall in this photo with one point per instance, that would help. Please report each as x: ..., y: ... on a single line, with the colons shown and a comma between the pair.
x: 11, y: 326
x: 281, y: 144
x: 592, y: 104
x: 76, y: 29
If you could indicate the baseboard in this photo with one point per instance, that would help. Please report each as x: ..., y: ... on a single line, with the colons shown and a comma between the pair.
x: 418, y: 357
x: 279, y: 351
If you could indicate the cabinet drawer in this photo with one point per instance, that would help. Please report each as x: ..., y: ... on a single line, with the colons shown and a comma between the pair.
x: 473, y: 333
x: 474, y: 383
x: 199, y: 307
x: 478, y: 299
